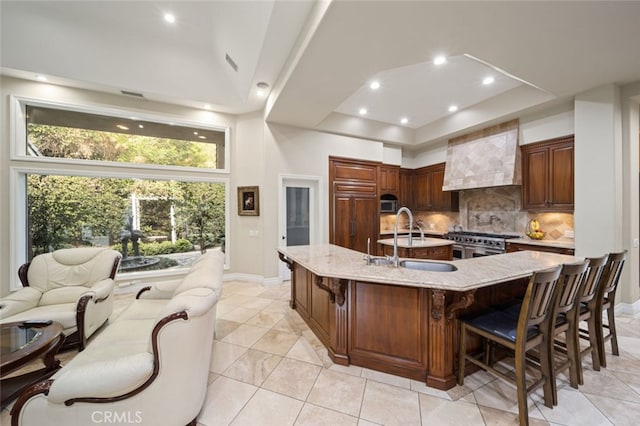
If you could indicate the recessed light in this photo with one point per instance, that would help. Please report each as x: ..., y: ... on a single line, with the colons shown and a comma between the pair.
x: 170, y: 18
x: 453, y: 108
x: 262, y: 89
x: 141, y: 126
x: 488, y: 80
x: 195, y: 133
x: 41, y: 77
x: 439, y: 60
x: 202, y: 137
x: 122, y: 127
x: 362, y: 111
x: 375, y: 85
x: 404, y: 120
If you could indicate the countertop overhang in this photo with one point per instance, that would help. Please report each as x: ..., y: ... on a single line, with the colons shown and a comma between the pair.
x: 328, y: 260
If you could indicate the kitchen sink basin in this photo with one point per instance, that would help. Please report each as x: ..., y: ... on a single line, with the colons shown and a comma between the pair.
x: 423, y: 265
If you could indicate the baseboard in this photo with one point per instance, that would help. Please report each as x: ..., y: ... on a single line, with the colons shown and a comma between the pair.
x: 237, y: 276
x: 628, y: 308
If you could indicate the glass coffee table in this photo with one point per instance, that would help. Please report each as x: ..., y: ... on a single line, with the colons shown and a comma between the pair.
x: 21, y: 343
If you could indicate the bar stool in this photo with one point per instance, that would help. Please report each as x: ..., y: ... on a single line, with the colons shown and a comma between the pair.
x: 564, y: 308
x: 530, y: 330
x: 605, y: 301
x: 587, y: 297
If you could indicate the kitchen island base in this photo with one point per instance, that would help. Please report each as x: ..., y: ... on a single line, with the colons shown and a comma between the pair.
x: 407, y: 331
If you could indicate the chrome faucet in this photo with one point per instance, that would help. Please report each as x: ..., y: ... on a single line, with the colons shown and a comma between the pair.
x: 395, y: 259
x: 421, y: 232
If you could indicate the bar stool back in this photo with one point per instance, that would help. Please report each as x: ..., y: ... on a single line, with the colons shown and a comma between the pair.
x: 606, y: 302
x: 586, y: 305
x: 563, y: 314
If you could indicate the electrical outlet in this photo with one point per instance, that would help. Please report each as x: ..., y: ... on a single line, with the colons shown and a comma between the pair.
x: 636, y: 243
x: 568, y: 234
x: 432, y: 226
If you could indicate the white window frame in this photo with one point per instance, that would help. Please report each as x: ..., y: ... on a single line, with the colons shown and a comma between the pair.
x: 23, y: 164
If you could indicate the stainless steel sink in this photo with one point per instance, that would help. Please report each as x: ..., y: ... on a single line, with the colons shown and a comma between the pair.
x: 425, y: 265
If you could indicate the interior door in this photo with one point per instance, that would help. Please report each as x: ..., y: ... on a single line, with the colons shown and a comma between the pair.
x: 299, y: 215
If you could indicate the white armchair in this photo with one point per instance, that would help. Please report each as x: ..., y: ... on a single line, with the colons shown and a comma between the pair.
x: 71, y: 286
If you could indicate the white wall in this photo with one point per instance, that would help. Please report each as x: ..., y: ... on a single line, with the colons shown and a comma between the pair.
x: 598, y: 174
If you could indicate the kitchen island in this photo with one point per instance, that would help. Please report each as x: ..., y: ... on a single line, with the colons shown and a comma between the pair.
x: 398, y: 320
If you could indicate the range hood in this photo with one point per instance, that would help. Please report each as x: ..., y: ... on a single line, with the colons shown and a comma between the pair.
x: 482, y: 159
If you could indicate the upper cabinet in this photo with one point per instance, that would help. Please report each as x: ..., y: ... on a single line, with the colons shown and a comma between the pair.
x: 547, y: 175
x: 389, y: 180
x: 405, y: 195
x: 428, y: 193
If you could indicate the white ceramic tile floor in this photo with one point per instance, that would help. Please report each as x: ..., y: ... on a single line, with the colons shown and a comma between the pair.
x: 269, y: 369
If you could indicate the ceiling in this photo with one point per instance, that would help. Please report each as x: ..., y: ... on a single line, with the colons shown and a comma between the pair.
x: 319, y: 58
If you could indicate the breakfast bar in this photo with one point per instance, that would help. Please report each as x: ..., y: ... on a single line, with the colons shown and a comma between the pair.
x: 397, y: 319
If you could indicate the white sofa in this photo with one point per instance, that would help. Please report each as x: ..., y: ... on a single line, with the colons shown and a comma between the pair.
x: 71, y: 286
x: 149, y: 365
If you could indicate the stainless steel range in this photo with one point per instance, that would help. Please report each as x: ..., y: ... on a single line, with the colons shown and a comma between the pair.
x: 475, y: 244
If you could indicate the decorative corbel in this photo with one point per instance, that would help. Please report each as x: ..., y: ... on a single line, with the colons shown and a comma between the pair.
x: 336, y: 288
x: 439, y: 307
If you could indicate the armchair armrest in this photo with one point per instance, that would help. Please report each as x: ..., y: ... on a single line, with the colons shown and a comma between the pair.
x: 160, y: 290
x: 19, y: 301
x: 102, y: 379
x: 101, y: 290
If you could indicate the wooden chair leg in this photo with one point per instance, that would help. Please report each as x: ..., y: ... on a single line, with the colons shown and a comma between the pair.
x: 546, y: 367
x: 600, y: 337
x: 593, y: 341
x: 521, y: 387
x: 573, y: 353
x: 612, y: 330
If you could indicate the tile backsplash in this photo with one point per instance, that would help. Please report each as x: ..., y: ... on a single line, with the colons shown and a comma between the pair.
x: 495, y: 210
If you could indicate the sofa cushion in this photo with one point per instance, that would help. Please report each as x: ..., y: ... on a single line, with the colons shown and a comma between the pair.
x: 62, y: 295
x: 102, y: 379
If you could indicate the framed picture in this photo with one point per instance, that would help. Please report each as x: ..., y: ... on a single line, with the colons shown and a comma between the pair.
x: 248, y: 201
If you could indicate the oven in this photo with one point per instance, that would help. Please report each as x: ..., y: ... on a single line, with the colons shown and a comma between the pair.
x: 477, y: 244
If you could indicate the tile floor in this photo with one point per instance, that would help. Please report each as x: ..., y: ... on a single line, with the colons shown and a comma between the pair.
x: 269, y: 369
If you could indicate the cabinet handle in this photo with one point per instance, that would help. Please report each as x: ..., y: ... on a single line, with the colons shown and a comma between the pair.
x: 353, y: 229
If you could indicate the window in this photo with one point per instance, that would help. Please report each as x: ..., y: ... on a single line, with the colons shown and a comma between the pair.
x: 149, y: 189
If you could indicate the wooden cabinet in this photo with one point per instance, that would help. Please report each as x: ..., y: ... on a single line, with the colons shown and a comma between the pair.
x: 547, y: 175
x: 389, y: 180
x: 353, y: 204
x: 428, y: 193
x: 433, y: 253
x: 512, y: 247
x: 405, y: 193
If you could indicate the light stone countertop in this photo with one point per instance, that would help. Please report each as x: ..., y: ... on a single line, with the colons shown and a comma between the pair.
x: 404, y: 232
x: 547, y: 243
x: 417, y: 243
x: 332, y: 261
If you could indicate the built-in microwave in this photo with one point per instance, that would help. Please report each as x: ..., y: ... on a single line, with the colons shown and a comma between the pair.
x: 388, y: 206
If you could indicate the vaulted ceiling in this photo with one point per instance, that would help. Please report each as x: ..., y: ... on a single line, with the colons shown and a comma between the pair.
x: 319, y: 58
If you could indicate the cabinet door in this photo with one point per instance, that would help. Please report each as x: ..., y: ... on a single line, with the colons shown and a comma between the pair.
x: 405, y: 197
x: 561, y: 177
x: 442, y: 200
x: 422, y: 187
x: 389, y: 179
x: 366, y: 223
x: 535, y: 169
x: 342, y: 225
